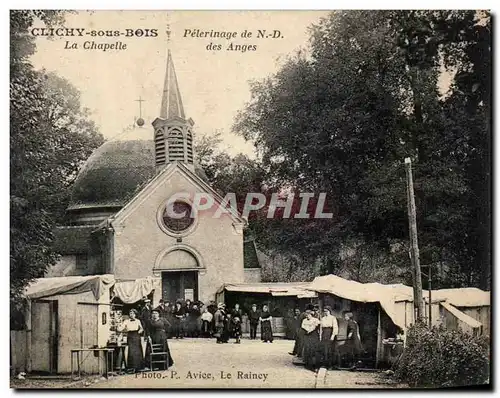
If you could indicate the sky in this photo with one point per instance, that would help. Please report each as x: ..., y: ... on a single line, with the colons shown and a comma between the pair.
x: 213, y: 84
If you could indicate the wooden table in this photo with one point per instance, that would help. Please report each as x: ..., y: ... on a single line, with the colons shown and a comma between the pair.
x: 106, y: 350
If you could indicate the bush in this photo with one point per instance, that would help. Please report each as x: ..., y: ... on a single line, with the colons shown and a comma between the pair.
x: 443, y: 358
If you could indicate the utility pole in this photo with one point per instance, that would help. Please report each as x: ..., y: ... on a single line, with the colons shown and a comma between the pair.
x: 414, y: 253
x: 430, y: 296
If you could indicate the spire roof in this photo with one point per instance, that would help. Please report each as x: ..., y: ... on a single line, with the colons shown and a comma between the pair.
x: 171, y: 103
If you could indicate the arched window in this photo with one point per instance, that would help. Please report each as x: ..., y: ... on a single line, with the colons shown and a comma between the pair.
x: 160, y: 147
x: 189, y: 138
x: 175, y: 145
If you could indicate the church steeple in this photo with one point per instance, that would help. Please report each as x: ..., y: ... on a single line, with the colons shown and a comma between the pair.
x: 173, y: 133
x: 171, y: 103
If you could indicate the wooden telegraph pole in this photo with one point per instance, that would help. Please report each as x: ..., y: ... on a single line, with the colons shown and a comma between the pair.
x: 414, y: 253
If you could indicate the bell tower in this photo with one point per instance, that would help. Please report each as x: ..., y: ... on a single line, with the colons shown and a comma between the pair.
x: 173, y: 135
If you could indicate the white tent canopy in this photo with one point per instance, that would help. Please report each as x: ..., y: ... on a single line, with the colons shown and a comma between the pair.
x: 463, y: 297
x: 132, y: 291
x: 389, y: 295
x: 386, y: 295
x: 46, y: 287
x: 297, y: 289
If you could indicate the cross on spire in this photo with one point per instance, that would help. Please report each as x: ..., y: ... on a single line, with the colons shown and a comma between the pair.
x: 168, y: 32
x: 140, y: 101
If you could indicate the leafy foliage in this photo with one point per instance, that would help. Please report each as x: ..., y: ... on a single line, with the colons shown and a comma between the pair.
x: 342, y: 121
x: 443, y: 358
x: 50, y: 135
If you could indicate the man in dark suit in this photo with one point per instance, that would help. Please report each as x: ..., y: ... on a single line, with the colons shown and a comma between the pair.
x: 162, y: 309
x: 253, y: 317
x: 146, y: 315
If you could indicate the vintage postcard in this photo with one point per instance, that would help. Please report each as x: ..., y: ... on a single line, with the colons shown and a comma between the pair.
x: 250, y: 199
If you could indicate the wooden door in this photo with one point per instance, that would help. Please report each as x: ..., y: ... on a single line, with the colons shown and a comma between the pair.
x: 44, y: 336
x: 89, y: 324
x: 179, y: 285
x: 171, y: 286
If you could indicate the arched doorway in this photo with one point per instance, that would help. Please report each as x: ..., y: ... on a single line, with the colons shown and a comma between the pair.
x: 179, y: 268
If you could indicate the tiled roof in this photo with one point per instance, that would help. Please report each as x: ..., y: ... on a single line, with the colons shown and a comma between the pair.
x: 114, y: 173
x: 73, y: 240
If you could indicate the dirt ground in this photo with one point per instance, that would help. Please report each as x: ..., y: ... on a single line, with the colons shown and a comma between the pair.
x: 358, y: 379
x: 52, y: 383
x: 204, y: 364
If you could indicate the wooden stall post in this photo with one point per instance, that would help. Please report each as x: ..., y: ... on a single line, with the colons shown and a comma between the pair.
x: 81, y: 331
x: 28, y: 337
x: 379, y: 340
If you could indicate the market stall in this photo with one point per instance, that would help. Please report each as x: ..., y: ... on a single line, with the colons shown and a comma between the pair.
x: 381, y: 311
x: 384, y: 312
x: 281, y: 298
x: 62, y: 314
x: 127, y: 295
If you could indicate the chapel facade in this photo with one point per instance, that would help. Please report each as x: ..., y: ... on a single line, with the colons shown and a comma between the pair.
x: 118, y: 223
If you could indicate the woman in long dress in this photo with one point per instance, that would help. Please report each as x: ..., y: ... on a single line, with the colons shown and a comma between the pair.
x: 329, y: 330
x: 178, y: 314
x: 311, y: 326
x: 266, y: 329
x: 134, y: 330
x: 353, y: 342
x: 219, y: 318
x: 158, y: 334
x: 298, y: 347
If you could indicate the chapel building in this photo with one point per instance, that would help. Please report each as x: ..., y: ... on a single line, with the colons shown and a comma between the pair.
x: 118, y: 224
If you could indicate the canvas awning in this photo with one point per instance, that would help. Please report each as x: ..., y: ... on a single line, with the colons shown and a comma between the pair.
x: 293, y: 289
x: 300, y: 293
x: 46, y: 287
x: 463, y: 297
x: 389, y: 295
x: 386, y: 295
x: 132, y: 291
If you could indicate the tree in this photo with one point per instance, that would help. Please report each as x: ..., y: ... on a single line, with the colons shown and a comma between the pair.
x: 73, y: 136
x: 342, y: 121
x: 50, y: 135
x: 469, y: 110
x: 237, y: 174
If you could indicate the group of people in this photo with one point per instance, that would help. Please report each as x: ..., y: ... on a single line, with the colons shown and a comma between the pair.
x: 194, y: 319
x: 154, y: 330
x: 179, y: 320
x: 317, y: 342
x: 184, y: 319
x: 228, y: 323
x: 316, y: 335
